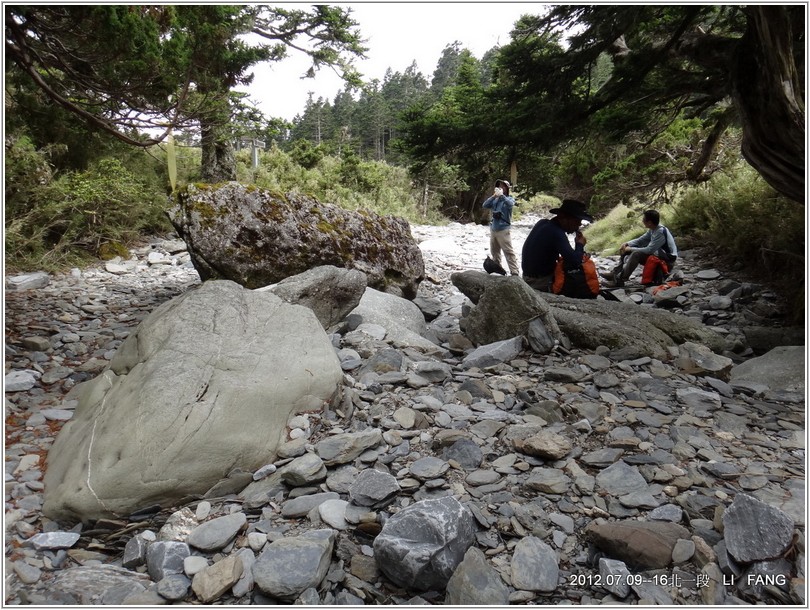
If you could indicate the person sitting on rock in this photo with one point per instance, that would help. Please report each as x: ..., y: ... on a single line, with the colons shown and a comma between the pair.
x: 657, y: 240
x: 548, y: 240
x: 500, y: 238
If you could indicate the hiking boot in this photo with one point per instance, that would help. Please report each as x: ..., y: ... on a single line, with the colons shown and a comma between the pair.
x: 608, y: 275
x: 615, y: 282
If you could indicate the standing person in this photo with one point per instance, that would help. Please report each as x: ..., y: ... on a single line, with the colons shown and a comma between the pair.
x: 500, y: 238
x: 548, y: 240
x: 657, y: 240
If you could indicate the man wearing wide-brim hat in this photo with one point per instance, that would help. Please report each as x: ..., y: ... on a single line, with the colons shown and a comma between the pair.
x: 548, y: 240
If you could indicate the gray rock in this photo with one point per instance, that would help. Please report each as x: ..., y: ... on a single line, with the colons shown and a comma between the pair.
x: 342, y: 478
x: 430, y: 307
x: 27, y: 573
x: 466, y: 452
x: 782, y: 368
x: 174, y: 587
x: 549, y: 480
x: 504, y: 308
x: 433, y: 371
x: 707, y: 274
x: 683, y: 551
x: 343, y: 448
x: 476, y: 583
x: 28, y: 281
x: 95, y: 584
x: 602, y: 457
x: 755, y: 531
x: 621, y: 479
x: 54, y: 540
x: 614, y: 577
x: 304, y: 471
x: 165, y: 558
x: 544, y: 444
x: 330, y: 292
x: 301, y: 233
x: 19, y: 381
x: 421, y: 546
x: 37, y: 344
x: 245, y: 583
x: 630, y: 331
x: 667, y: 512
x: 135, y: 552
x: 428, y: 468
x: 493, y: 354
x: 299, y: 507
x: 289, y: 566
x: 373, y: 488
x: 403, y: 321
x: 186, y: 385
x: 700, y: 360
x: 333, y: 513
x: 535, y: 566
x: 217, y: 533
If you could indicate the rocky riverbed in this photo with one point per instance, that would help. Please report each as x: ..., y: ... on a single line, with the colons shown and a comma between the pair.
x: 578, y: 477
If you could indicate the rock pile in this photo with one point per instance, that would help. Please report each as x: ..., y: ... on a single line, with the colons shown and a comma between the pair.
x: 446, y: 473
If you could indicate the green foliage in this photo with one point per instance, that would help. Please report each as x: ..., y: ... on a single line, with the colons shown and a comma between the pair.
x: 744, y: 219
x: 347, y: 181
x: 620, y: 225
x: 53, y: 222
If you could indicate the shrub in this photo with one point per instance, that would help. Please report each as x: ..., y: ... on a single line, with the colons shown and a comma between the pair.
x: 744, y: 219
x: 71, y: 216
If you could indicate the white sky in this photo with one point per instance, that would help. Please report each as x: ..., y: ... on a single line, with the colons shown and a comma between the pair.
x: 397, y: 34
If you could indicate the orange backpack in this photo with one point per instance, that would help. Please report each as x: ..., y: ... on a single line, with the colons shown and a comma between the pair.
x: 655, y: 271
x: 580, y: 283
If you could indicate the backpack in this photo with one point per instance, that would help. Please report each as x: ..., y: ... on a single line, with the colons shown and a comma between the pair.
x: 579, y: 283
x: 655, y: 271
x: 491, y: 266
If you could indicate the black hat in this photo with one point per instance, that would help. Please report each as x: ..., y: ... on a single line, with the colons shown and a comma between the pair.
x: 574, y: 208
x: 504, y: 184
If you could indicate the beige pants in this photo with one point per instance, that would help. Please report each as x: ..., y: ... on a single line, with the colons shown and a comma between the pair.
x: 502, y: 240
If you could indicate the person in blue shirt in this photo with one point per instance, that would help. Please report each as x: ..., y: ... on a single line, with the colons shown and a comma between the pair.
x: 548, y: 240
x: 500, y: 238
x: 657, y: 240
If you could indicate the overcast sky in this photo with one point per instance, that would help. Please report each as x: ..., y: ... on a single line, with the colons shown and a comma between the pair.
x: 397, y: 34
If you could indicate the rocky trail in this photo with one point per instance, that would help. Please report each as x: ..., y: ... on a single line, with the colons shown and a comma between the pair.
x: 464, y: 476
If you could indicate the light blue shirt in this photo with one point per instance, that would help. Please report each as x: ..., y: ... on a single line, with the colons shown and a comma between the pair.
x: 504, y: 205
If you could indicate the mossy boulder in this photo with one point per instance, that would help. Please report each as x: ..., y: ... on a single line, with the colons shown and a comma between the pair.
x: 587, y: 324
x: 255, y: 238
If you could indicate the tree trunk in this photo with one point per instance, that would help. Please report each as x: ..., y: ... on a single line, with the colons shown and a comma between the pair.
x: 218, y: 160
x: 767, y: 91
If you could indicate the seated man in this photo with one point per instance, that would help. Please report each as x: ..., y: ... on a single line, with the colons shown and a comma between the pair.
x: 657, y: 240
x: 548, y: 240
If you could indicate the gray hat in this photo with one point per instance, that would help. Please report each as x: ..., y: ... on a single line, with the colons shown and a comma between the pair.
x: 504, y: 184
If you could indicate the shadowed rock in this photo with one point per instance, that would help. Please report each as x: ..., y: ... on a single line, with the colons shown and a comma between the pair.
x: 255, y: 237
x: 421, y: 546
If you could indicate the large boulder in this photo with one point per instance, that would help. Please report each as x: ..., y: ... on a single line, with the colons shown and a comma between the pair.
x: 203, y: 387
x: 330, y: 292
x: 587, y: 324
x: 782, y: 368
x: 255, y: 237
x: 402, y: 319
x: 505, y: 307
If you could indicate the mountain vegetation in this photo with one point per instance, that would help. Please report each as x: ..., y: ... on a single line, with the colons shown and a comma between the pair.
x: 109, y: 107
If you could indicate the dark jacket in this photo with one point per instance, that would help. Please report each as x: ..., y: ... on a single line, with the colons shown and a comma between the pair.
x: 546, y: 241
